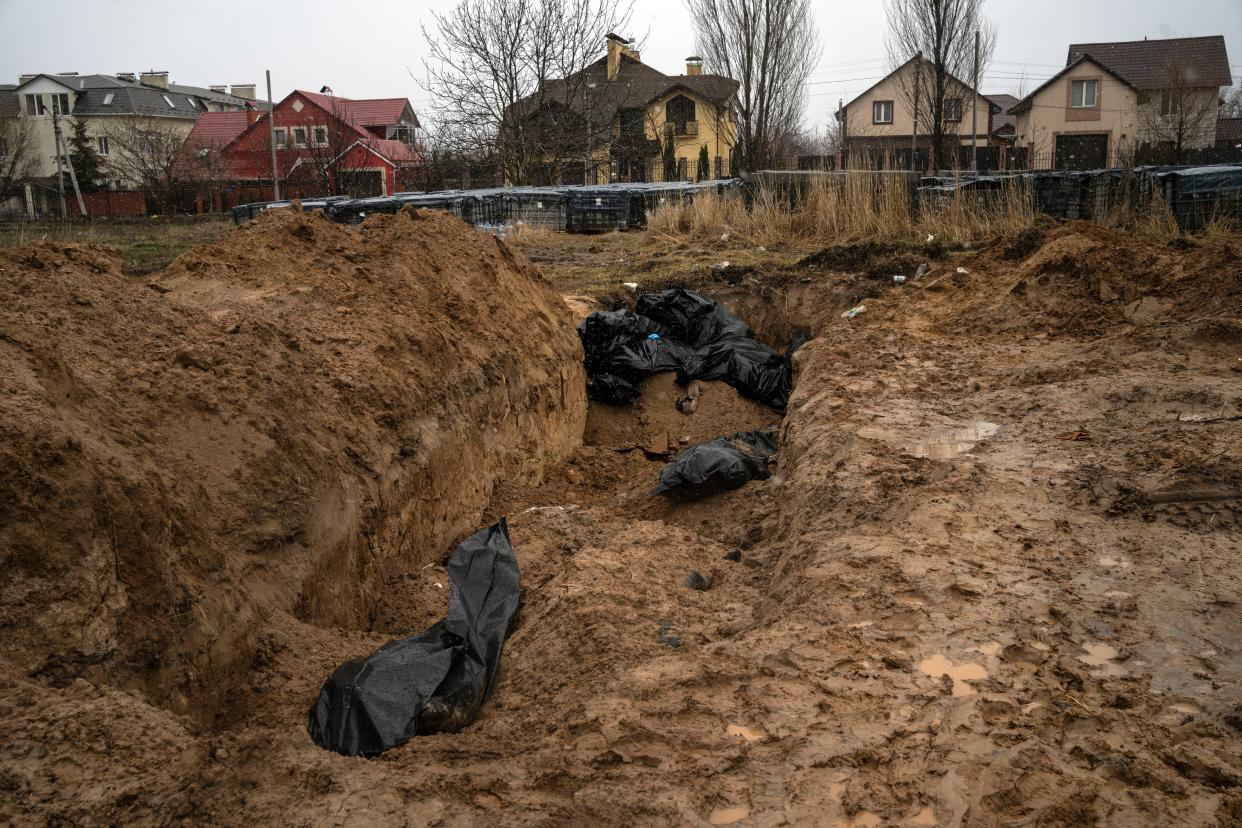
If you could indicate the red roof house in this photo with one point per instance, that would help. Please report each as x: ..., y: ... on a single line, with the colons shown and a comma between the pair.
x: 325, y: 145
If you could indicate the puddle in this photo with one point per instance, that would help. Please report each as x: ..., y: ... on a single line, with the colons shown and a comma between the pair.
x: 947, y: 444
x: 862, y: 819
x: 910, y: 599
x: 728, y: 816
x: 927, y: 816
x: 1117, y: 562
x: 989, y: 648
x: 937, y: 666
x: 1101, y: 656
x: 750, y: 734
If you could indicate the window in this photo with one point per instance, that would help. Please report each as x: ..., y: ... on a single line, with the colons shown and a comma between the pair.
x: 953, y: 109
x: 321, y: 136
x: 299, y: 136
x: 102, y: 141
x: 1170, y: 103
x: 882, y: 112
x: 1083, y: 94
x: 60, y: 104
x: 169, y: 101
x: 193, y: 104
x: 107, y: 101
x: 404, y: 133
x: 35, y: 105
x: 679, y: 111
x: 282, y: 136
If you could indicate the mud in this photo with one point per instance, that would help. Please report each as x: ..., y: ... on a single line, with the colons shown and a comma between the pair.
x: 1031, y: 629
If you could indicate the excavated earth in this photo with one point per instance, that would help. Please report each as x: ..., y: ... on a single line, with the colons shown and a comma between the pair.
x: 994, y: 578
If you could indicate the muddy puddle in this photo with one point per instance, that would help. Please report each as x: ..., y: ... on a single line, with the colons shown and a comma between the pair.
x: 938, y: 665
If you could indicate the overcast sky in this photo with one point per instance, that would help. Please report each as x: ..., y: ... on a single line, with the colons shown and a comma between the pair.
x: 368, y: 48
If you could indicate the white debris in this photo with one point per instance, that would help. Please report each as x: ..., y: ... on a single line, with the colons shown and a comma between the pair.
x: 719, y: 266
x: 854, y: 311
x: 962, y: 271
x: 930, y: 238
x: 632, y: 286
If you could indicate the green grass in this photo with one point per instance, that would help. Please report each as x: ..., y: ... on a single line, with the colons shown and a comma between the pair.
x: 145, y: 245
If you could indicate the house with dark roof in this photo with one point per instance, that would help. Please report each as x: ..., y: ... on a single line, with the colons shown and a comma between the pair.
x: 1113, y: 98
x: 325, y: 145
x: 619, y: 119
x: 1003, y: 122
x: 111, y: 106
x: 880, y: 120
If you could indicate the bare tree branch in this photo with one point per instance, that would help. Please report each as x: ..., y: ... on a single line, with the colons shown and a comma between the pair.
x: 944, y: 32
x: 770, y: 47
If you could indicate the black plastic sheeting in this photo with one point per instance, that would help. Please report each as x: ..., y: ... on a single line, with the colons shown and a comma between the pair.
x: 682, y: 331
x: 578, y: 208
x: 718, y: 465
x: 435, y: 681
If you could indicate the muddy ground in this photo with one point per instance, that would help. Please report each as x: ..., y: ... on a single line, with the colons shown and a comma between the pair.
x: 994, y: 580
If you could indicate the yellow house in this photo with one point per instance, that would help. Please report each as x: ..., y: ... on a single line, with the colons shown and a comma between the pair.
x: 622, y: 120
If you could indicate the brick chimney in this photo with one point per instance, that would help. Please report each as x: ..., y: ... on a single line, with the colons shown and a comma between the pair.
x: 153, y: 78
x: 618, y: 46
x: 694, y: 65
x: 243, y: 90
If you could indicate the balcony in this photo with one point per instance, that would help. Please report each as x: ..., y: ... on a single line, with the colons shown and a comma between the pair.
x: 680, y: 128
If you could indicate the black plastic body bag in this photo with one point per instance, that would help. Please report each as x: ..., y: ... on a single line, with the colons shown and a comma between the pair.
x: 718, y: 465
x: 435, y: 681
x: 682, y: 331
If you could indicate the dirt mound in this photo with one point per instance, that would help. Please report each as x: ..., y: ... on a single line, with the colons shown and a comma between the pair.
x: 1084, y: 279
x: 257, y: 430
x: 873, y: 258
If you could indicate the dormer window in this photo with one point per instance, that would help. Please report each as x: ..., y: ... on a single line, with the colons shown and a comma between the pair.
x: 60, y: 104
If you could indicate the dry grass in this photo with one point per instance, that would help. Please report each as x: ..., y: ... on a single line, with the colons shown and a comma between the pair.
x: 145, y: 245
x: 857, y: 206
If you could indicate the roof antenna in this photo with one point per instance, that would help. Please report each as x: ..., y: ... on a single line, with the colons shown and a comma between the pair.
x: 325, y: 90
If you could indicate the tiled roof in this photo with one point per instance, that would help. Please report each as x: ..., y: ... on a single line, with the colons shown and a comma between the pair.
x: 10, y: 101
x: 394, y: 151
x: 1151, y: 64
x: 635, y: 85
x: 1004, y: 119
x: 215, y: 129
x: 135, y: 98
x: 364, y: 112
x: 1229, y: 129
x: 1025, y: 104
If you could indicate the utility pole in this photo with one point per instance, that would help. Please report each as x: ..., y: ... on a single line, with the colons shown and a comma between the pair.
x: 73, y: 176
x: 914, y: 125
x: 271, y: 135
x: 974, y: 110
x: 60, y: 174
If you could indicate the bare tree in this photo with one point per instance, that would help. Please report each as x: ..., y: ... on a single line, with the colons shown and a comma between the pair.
x: 148, y: 152
x: 1231, y: 102
x: 770, y: 48
x: 508, y: 74
x: 943, y: 31
x: 1180, y: 117
x: 19, y: 160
